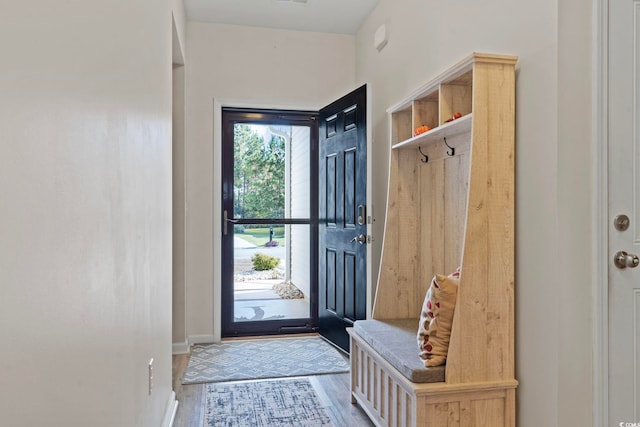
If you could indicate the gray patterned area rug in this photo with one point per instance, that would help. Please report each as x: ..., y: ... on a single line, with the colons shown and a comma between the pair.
x: 263, y: 358
x: 282, y: 403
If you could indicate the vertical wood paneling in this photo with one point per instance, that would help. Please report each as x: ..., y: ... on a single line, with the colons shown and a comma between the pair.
x: 393, y: 404
x: 388, y: 270
x: 456, y: 176
x: 482, y: 346
x: 454, y: 414
x: 510, y: 408
x: 409, y: 236
x: 366, y: 377
x: 406, y: 409
x: 402, y: 238
x: 387, y: 402
x: 439, y: 415
x: 360, y: 368
x: 375, y: 398
x: 444, y: 184
x: 432, y: 222
x: 466, y: 416
x: 354, y: 360
x: 433, y: 197
x: 488, y: 412
x: 427, y: 223
x: 363, y: 365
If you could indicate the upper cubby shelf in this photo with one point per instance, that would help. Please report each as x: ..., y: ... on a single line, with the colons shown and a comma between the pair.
x: 456, y: 127
x: 443, y: 107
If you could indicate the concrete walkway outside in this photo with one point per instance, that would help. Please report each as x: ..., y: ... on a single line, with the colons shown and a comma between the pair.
x: 240, y: 243
x: 255, y: 299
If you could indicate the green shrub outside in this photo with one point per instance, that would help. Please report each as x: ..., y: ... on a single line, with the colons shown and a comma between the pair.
x: 263, y: 262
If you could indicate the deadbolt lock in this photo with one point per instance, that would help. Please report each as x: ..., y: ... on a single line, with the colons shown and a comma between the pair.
x: 621, y: 222
x: 362, y: 213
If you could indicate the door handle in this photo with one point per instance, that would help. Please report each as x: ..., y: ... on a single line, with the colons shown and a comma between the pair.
x: 623, y: 260
x: 225, y: 221
x: 362, y: 239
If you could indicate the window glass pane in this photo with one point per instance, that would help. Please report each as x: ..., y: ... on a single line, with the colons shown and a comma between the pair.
x: 271, y: 272
x: 271, y: 171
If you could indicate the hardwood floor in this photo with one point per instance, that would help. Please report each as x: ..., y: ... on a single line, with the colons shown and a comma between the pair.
x: 332, y: 390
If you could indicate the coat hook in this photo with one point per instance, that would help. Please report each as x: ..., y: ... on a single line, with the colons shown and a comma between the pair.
x: 452, y: 151
x: 426, y: 158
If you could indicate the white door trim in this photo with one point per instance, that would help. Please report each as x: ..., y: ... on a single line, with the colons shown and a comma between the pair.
x: 600, y: 201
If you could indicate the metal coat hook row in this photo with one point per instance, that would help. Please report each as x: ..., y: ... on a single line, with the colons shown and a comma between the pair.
x: 426, y: 158
x: 452, y: 151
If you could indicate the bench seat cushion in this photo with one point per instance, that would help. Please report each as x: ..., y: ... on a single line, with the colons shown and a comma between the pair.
x: 395, y: 341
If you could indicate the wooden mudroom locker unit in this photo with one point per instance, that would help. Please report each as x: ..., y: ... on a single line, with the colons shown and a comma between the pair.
x: 450, y: 204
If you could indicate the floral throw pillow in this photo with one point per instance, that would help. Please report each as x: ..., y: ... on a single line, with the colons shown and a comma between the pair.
x: 436, y: 318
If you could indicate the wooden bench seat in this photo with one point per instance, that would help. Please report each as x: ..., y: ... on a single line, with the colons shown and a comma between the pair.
x: 390, y: 399
x: 395, y: 341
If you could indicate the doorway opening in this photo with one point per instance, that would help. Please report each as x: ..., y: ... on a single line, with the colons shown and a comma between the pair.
x: 270, y: 222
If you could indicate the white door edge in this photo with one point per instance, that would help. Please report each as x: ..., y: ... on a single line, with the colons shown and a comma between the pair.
x: 600, y: 200
x: 370, y: 207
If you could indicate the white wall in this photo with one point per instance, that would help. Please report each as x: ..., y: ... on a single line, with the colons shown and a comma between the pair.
x: 243, y: 66
x: 179, y: 329
x: 179, y: 292
x: 179, y: 15
x: 573, y: 286
x: 85, y: 222
x: 553, y: 329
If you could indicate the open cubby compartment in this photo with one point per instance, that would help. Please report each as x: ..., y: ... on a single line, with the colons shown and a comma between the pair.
x: 426, y: 110
x: 433, y: 106
x: 401, y: 123
x: 456, y: 96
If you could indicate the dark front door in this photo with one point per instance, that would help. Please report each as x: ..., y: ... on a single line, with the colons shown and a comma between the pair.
x: 342, y: 216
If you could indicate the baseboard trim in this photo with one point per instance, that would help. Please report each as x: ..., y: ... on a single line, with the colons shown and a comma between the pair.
x: 180, y: 348
x: 170, y: 413
x: 201, y: 339
x: 185, y: 347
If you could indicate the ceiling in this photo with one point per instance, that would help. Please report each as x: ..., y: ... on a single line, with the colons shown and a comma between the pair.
x: 325, y: 16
